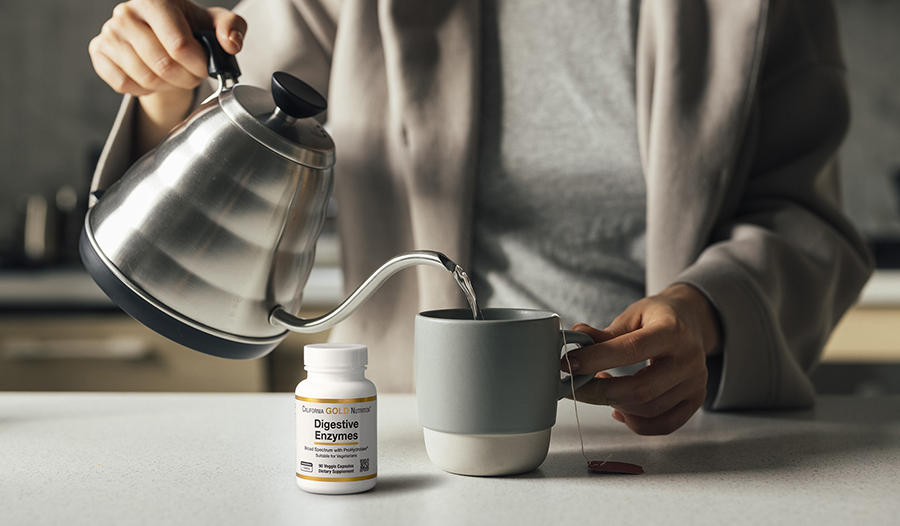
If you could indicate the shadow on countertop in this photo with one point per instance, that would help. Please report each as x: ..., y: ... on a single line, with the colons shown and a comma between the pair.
x: 837, y: 428
x: 857, y: 379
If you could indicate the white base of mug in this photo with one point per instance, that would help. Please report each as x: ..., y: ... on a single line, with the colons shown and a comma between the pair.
x: 487, y: 455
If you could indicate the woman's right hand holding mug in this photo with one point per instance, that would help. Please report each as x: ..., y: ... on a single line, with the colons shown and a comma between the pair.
x: 147, y: 49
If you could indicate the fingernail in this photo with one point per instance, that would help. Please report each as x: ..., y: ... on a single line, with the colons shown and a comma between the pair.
x: 571, y: 365
x: 237, y: 38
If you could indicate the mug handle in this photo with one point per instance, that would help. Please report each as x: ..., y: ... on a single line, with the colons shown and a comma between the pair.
x: 565, y: 384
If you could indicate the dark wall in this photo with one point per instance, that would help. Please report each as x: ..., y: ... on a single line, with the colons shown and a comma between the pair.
x: 54, y: 111
x: 871, y: 155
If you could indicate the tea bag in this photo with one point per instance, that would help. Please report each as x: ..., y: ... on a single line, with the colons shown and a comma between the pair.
x: 595, y: 466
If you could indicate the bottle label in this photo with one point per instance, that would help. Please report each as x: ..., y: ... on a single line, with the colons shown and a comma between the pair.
x: 336, y: 439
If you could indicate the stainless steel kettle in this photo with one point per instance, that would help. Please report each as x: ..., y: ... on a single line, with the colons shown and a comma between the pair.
x: 209, y: 238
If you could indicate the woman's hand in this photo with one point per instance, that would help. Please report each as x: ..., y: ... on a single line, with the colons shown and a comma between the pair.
x: 675, y: 330
x: 148, y: 49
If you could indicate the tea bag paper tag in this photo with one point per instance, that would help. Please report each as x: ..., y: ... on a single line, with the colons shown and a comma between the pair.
x: 615, y: 467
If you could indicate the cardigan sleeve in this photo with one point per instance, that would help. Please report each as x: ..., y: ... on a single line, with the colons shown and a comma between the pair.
x: 786, y: 264
x: 296, y: 36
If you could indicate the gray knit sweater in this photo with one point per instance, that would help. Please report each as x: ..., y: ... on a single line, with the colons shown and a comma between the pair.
x: 560, y: 200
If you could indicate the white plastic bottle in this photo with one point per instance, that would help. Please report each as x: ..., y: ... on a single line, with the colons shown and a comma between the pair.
x: 336, y: 421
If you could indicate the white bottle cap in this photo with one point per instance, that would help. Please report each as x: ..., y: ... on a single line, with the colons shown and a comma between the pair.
x: 335, y: 355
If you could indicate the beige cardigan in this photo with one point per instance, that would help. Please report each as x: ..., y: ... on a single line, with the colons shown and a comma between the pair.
x: 741, y: 108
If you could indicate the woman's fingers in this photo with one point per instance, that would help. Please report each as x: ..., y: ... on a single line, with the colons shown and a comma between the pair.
x: 664, y: 423
x: 113, y: 75
x: 645, y: 343
x: 689, y: 388
x: 129, y: 55
x: 156, y: 58
x: 230, y: 29
x: 596, y: 334
x: 149, y: 45
x: 653, y: 381
x: 650, y: 392
x: 593, y: 392
x: 125, y: 57
x: 169, y: 23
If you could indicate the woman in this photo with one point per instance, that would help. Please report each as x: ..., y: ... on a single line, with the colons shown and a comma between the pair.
x: 736, y: 113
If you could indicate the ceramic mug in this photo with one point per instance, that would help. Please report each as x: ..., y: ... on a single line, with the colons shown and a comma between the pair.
x: 487, y: 390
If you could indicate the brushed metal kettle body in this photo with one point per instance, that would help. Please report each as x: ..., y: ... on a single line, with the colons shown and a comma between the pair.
x: 213, y: 217
x: 209, y: 238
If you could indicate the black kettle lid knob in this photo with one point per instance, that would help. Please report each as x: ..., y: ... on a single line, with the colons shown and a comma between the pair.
x: 295, y: 97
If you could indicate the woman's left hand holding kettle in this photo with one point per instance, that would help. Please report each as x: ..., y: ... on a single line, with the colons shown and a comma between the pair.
x: 147, y: 49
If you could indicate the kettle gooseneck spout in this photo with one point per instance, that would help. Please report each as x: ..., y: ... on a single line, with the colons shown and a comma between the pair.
x: 281, y: 317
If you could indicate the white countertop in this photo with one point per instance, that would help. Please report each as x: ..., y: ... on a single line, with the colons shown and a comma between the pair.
x: 229, y: 459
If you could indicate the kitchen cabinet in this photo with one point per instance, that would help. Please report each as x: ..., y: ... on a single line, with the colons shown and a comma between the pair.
x: 59, y: 332
x: 867, y: 335
x: 109, y: 351
x: 870, y: 331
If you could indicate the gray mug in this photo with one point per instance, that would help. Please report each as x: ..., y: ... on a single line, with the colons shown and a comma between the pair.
x: 487, y: 390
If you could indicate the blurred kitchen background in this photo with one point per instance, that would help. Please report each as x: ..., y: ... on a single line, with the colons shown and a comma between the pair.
x: 59, y: 332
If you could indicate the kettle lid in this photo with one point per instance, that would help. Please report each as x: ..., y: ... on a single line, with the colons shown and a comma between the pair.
x: 284, y: 127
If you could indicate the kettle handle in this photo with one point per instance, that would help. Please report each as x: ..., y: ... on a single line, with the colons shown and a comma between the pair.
x: 221, y: 64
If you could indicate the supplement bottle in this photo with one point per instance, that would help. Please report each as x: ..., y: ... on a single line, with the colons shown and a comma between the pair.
x: 336, y: 421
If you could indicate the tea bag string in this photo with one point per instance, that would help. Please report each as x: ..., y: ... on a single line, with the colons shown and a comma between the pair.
x: 593, y: 465
x: 572, y: 384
